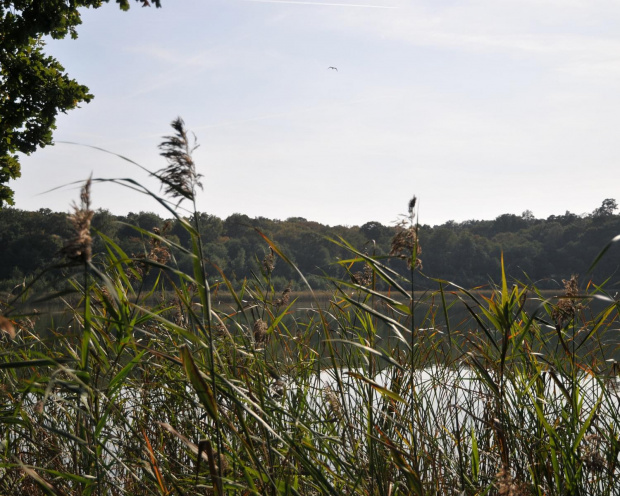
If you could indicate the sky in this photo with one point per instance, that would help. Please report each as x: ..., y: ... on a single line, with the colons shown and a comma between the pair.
x: 479, y: 108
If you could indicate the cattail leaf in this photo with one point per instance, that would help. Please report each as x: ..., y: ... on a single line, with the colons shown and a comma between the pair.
x: 601, y: 319
x: 117, y: 381
x: 39, y: 362
x: 250, y: 479
x: 162, y: 239
x: 484, y: 374
x: 383, y: 356
x: 519, y: 338
x: 381, y: 389
x: 445, y: 308
x: 348, y: 261
x: 504, y: 282
x: 482, y: 326
x: 395, y: 304
x: 194, y: 338
x: 86, y: 332
x: 82, y: 479
x: 586, y: 424
x: 231, y: 290
x: 385, y: 273
x: 595, y: 262
x: 203, y: 390
x: 561, y: 386
x: 47, y: 487
x: 136, y: 186
x: 202, y: 283
x: 277, y: 250
x: 372, y: 311
x: 122, y: 157
x: 279, y: 318
x: 553, y: 440
x: 67, y: 435
x: 475, y: 459
x: 192, y: 446
x: 412, y: 476
x: 217, y: 482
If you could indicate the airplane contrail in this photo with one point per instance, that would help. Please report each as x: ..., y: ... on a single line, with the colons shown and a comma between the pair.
x: 300, y: 2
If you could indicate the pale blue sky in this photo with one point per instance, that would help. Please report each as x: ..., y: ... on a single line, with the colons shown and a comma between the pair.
x: 477, y: 107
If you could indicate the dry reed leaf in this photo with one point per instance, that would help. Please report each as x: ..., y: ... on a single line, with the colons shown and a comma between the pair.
x: 7, y: 326
x: 160, y: 479
x: 45, y: 485
x: 187, y: 442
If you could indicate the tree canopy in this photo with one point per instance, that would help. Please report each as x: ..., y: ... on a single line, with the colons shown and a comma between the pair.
x: 467, y: 253
x: 34, y: 87
x: 607, y: 208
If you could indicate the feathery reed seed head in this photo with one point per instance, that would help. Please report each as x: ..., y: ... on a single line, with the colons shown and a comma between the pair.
x: 405, y: 242
x: 159, y: 253
x: 79, y: 248
x: 509, y: 486
x: 591, y: 456
x: 411, y: 206
x: 269, y: 262
x: 332, y: 400
x: 363, y: 277
x: 180, y: 178
x: 260, y: 331
x: 284, y: 298
x: 566, y: 309
x: 220, y: 329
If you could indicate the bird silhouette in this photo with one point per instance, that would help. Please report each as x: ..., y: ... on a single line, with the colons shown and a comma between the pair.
x: 334, y: 68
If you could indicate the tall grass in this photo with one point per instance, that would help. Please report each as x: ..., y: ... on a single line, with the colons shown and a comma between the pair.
x: 356, y: 397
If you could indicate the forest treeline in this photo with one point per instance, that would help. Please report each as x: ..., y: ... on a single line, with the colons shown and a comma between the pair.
x: 466, y: 253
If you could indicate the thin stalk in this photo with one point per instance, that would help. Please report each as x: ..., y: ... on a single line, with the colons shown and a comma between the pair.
x: 413, y: 260
x: 206, y: 324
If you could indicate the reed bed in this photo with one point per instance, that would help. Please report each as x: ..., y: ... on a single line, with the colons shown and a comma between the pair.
x: 375, y: 393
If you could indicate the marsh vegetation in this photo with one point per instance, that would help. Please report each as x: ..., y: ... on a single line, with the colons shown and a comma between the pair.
x: 154, y: 389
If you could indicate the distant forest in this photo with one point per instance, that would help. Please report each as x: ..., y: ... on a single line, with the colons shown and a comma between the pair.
x: 466, y: 253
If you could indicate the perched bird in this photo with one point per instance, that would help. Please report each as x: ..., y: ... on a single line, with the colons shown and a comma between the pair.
x: 334, y: 68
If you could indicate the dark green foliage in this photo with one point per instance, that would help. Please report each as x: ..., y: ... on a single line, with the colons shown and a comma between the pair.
x: 468, y: 253
x: 29, y: 241
x: 545, y: 251
x: 607, y: 208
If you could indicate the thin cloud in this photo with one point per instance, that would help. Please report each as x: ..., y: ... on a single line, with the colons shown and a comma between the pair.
x: 323, y: 4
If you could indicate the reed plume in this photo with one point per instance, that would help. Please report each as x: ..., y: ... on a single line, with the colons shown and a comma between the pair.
x: 405, y: 242
x: 79, y: 248
x: 180, y: 178
x: 567, y: 308
x: 507, y: 485
x: 269, y: 262
x: 284, y: 298
x: 363, y: 277
x: 333, y: 402
x: 260, y: 331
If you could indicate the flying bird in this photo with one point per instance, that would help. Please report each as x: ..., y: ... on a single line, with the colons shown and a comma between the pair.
x: 334, y: 68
